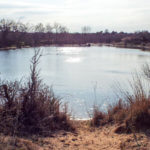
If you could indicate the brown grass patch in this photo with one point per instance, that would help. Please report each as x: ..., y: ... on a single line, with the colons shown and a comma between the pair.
x: 31, y: 107
x: 133, y: 111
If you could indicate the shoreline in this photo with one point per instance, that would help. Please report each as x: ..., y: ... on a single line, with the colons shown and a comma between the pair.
x: 117, y: 45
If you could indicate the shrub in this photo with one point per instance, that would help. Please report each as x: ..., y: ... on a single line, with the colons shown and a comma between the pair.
x: 133, y: 110
x: 32, y: 107
x: 117, y: 112
x: 98, y: 117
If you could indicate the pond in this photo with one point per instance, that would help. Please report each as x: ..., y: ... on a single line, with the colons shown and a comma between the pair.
x: 82, y: 76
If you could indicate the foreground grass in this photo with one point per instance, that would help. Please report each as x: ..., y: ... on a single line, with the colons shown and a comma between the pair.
x: 31, y: 107
x: 132, y: 112
x: 85, y: 138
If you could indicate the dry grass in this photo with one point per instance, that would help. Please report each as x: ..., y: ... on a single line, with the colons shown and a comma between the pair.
x: 31, y: 107
x: 85, y: 138
x: 98, y: 117
x: 133, y: 111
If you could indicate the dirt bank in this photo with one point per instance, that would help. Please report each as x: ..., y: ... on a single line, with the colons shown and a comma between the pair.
x: 85, y: 138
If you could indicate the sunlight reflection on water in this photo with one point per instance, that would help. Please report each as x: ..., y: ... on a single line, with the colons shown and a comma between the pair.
x: 73, y: 59
x: 70, y: 50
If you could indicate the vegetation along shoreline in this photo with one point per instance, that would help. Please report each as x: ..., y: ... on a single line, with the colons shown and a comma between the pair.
x: 15, y: 34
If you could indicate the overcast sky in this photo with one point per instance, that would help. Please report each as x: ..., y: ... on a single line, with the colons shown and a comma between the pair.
x: 118, y: 15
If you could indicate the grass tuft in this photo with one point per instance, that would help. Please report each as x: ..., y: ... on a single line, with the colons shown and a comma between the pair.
x: 31, y: 107
x: 133, y: 112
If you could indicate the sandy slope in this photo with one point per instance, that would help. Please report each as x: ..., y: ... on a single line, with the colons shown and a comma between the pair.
x: 85, y: 138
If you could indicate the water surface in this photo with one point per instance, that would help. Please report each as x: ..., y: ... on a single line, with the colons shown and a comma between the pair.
x: 83, y: 76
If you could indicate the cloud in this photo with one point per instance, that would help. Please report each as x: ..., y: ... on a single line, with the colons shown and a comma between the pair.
x: 124, y: 15
x: 10, y: 6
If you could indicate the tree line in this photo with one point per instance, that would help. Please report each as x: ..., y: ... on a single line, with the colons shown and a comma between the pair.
x: 19, y: 34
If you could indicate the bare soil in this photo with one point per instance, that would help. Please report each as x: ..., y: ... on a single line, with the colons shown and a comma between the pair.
x: 84, y: 138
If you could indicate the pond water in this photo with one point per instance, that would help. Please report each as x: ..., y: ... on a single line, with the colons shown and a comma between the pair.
x: 82, y: 76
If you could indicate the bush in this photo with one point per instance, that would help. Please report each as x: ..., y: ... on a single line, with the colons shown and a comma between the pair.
x: 98, y: 117
x: 31, y: 107
x: 133, y: 111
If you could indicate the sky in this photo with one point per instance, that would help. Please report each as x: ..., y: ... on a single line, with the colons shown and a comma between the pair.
x: 117, y: 15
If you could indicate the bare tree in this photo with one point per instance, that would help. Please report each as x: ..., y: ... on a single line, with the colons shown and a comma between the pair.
x: 5, y: 28
x: 86, y: 29
x: 63, y: 29
x: 39, y: 28
x: 56, y: 27
x: 49, y: 28
x: 20, y: 30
